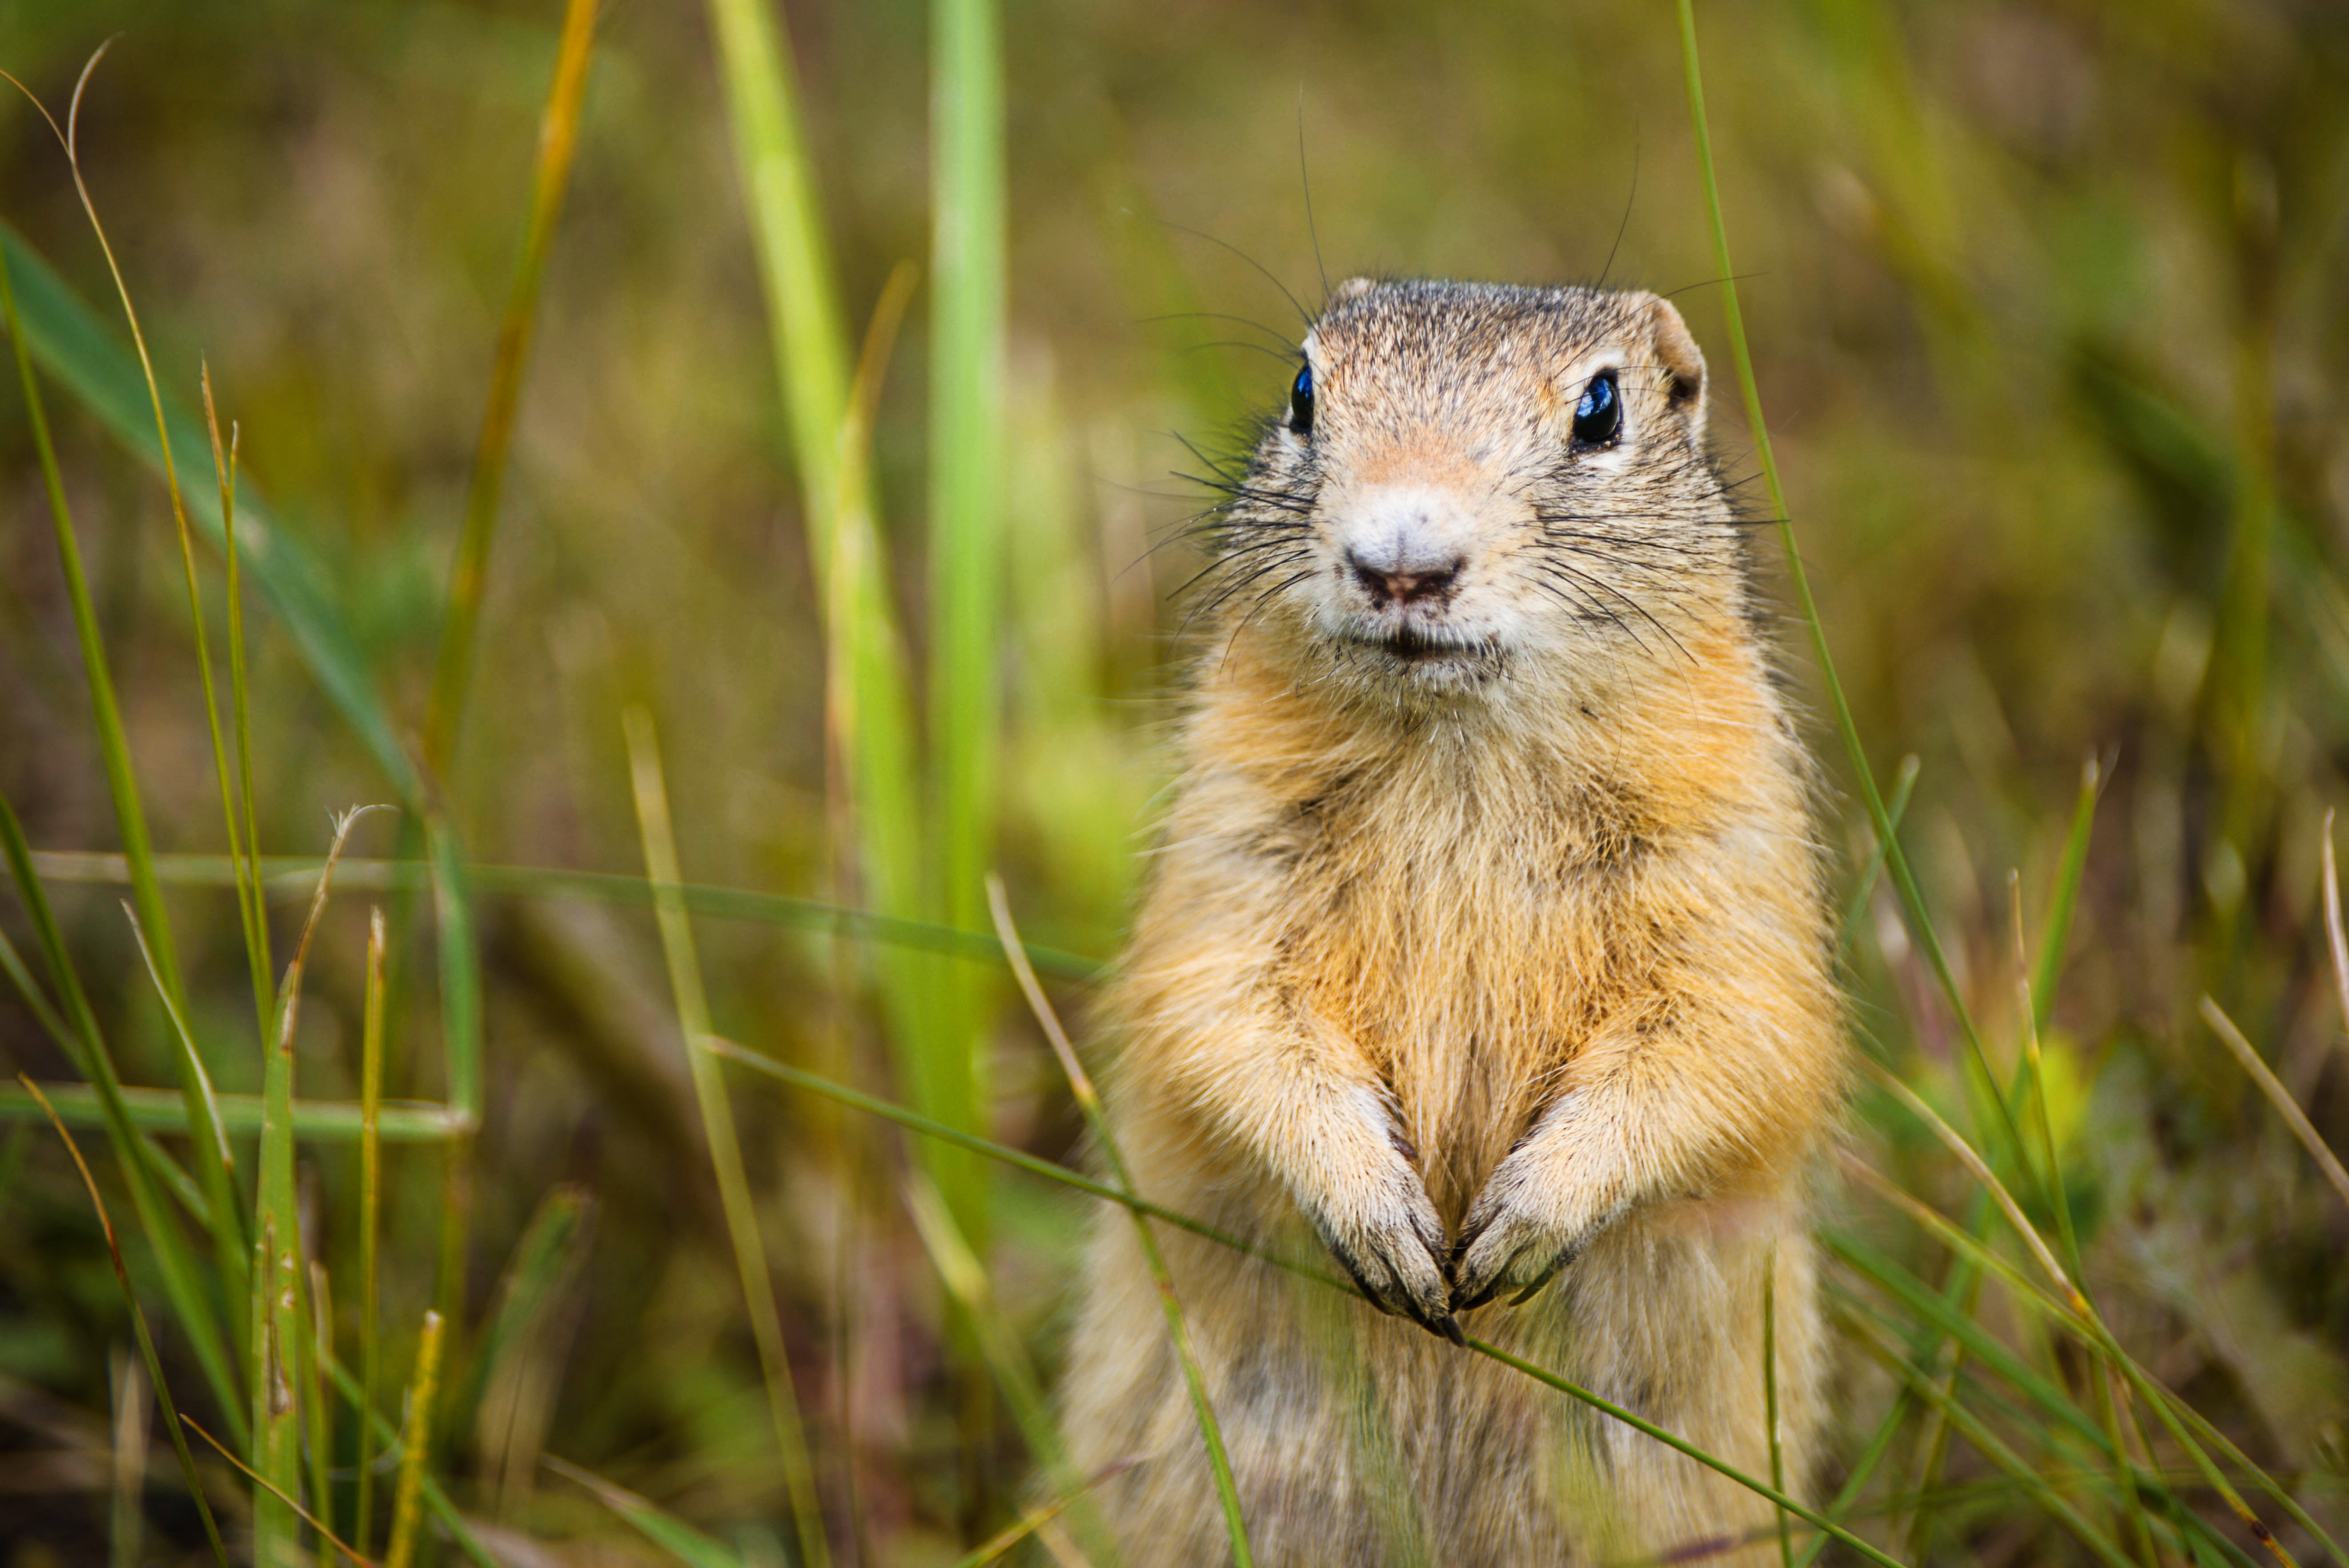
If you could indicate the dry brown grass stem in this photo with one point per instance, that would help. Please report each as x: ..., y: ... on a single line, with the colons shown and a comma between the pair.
x: 2278, y: 1095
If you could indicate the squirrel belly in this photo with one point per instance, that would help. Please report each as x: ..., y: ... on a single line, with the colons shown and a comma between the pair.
x: 1484, y: 959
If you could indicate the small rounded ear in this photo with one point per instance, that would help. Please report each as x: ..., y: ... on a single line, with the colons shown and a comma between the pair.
x: 1353, y: 288
x: 1679, y: 361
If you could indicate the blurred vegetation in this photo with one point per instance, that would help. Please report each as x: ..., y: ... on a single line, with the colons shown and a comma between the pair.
x: 2048, y: 313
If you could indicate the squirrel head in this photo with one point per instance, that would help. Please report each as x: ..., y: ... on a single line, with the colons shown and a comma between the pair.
x: 1474, y: 482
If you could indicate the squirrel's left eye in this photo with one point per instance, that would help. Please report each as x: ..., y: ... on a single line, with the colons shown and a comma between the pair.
x: 1598, y: 418
x: 1301, y: 401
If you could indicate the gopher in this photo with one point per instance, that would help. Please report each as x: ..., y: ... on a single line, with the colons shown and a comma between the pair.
x: 1486, y: 953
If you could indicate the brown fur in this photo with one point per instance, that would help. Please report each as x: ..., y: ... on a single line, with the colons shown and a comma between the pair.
x: 1486, y: 942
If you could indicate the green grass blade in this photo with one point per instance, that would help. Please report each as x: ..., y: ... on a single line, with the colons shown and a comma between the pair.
x: 787, y: 234
x: 162, y: 936
x: 217, y: 1183
x: 965, y: 1277
x: 871, y: 709
x: 2074, y: 867
x: 1987, y: 1443
x: 294, y: 873
x: 1770, y: 1397
x: 1863, y: 889
x: 672, y: 1535
x: 1768, y: 1493
x: 146, y: 1341
x: 558, y: 139
x: 967, y: 474
x: 433, y: 1498
x: 182, y: 1280
x: 543, y: 1260
x: 68, y: 339
x: 1211, y: 1431
x: 371, y: 1130
x: 460, y: 966
x: 1903, y: 879
x: 317, y: 1341
x: 717, y: 1124
x: 215, y: 1163
x: 322, y: 1120
x: 114, y: 747
x: 250, y: 909
x: 415, y: 1443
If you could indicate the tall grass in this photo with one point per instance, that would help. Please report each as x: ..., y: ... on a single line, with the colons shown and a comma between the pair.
x: 2032, y: 1376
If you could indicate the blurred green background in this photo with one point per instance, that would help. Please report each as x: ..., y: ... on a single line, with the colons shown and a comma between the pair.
x: 2049, y: 314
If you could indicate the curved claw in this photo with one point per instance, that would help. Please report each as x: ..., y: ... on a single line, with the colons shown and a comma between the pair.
x: 1401, y: 1273
x: 1496, y: 1252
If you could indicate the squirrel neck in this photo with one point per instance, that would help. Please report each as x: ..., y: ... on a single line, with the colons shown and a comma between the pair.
x: 1677, y: 737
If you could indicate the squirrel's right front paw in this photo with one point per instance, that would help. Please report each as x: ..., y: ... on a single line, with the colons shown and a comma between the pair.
x: 1378, y: 1223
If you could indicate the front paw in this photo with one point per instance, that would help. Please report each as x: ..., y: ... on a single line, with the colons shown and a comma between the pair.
x: 1522, y: 1229
x: 1378, y: 1223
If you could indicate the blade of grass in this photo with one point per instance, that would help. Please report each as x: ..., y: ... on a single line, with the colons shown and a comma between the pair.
x: 1770, y: 1396
x: 415, y: 1441
x: 215, y: 1163
x: 371, y: 1128
x: 250, y: 907
x: 1081, y: 1086
x: 675, y: 1537
x: 140, y: 1161
x: 996, y: 1547
x: 965, y: 1277
x: 967, y: 469
x: 317, y: 1306
x: 294, y: 873
x: 277, y: 1325
x: 1903, y: 782
x: 810, y: 342
x: 2074, y: 865
x: 146, y: 1341
x: 126, y: 1522
x: 2101, y: 1339
x: 163, y: 935
x: 1903, y: 879
x: 2278, y: 1095
x: 69, y: 340
x: 717, y: 1124
x: 290, y: 1500
x: 558, y: 140
x: 543, y: 1260
x: 402, y: 1121
x: 1987, y: 1444
x: 2035, y: 991
x: 129, y: 815
x: 114, y: 749
x: 434, y: 1497
x: 2334, y: 939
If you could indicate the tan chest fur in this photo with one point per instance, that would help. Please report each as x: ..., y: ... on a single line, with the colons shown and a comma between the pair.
x: 1471, y: 900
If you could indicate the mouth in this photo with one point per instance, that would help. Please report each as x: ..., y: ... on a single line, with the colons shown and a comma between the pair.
x: 1412, y: 644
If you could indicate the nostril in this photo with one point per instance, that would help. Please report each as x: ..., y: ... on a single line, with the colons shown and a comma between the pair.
x: 1387, y: 585
x: 1430, y: 582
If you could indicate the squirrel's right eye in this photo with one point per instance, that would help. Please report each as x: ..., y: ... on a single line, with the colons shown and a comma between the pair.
x: 1600, y: 415
x: 1300, y: 402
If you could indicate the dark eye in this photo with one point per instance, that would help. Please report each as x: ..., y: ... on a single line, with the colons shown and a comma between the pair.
x: 1300, y: 402
x: 1598, y: 418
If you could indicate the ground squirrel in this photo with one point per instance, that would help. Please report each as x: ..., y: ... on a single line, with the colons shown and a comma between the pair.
x: 1487, y: 949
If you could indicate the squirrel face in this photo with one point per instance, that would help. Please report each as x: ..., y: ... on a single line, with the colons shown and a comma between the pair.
x: 1475, y: 480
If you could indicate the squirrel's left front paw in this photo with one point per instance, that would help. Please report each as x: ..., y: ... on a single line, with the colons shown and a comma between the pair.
x: 1521, y: 1230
